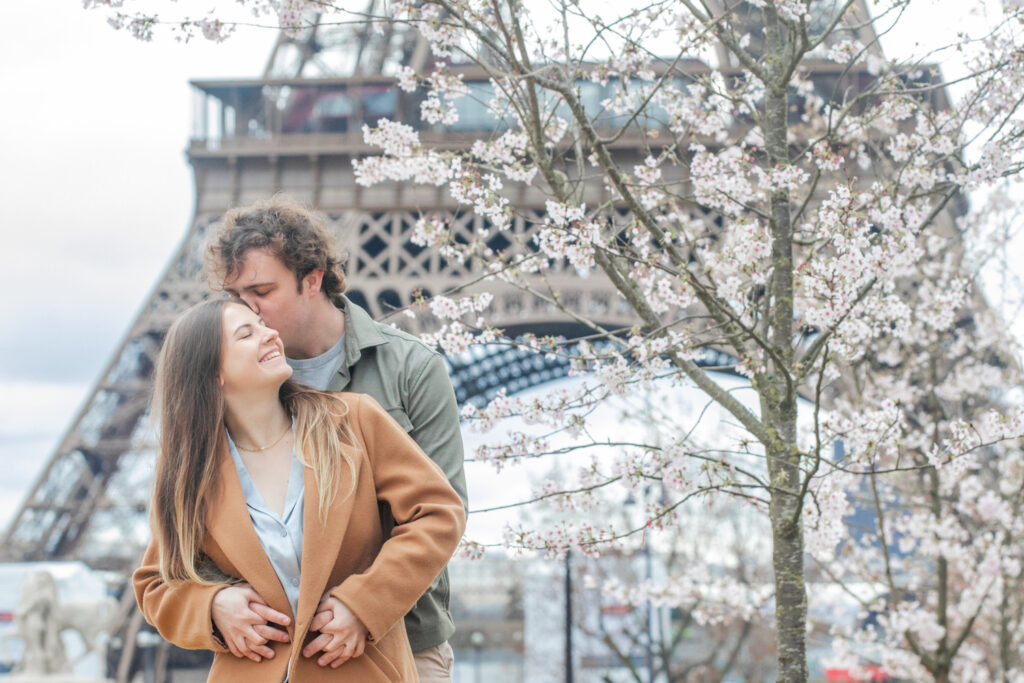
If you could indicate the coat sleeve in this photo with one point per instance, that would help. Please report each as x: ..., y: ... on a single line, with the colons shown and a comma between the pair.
x: 429, y: 520
x: 182, y: 614
x: 430, y: 403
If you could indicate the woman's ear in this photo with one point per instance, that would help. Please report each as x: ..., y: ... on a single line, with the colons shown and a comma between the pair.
x: 220, y: 380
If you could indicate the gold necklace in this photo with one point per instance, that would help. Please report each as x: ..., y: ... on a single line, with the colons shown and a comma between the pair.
x: 260, y: 450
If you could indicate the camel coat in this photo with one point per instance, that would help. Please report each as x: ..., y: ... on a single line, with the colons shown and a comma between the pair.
x: 347, y: 556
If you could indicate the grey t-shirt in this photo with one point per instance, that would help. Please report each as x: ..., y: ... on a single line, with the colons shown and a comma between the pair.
x: 317, y: 372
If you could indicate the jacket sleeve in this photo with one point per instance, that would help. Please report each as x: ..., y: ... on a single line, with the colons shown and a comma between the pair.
x: 429, y: 517
x: 181, y: 613
x: 429, y: 401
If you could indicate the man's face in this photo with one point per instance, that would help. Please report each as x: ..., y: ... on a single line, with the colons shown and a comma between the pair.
x: 269, y: 288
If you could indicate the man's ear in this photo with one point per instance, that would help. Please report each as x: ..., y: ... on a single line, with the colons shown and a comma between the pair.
x: 312, y: 282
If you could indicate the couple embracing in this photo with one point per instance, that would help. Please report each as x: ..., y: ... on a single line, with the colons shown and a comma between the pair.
x: 309, y: 480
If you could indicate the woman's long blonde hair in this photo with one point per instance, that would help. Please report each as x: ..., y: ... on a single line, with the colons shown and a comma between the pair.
x: 190, y: 405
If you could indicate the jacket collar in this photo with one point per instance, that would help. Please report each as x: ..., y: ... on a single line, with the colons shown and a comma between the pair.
x: 361, y: 332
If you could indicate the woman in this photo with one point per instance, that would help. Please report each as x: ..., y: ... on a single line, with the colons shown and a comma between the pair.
x: 277, y: 489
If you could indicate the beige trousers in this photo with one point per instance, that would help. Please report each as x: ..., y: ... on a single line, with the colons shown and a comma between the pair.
x: 435, y: 664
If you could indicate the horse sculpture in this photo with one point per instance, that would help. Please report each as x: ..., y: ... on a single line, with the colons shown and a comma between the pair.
x: 40, y: 618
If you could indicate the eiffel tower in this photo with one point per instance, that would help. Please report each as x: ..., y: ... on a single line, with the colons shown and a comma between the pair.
x: 297, y: 130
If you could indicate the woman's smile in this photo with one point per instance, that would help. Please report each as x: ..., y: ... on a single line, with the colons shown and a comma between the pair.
x: 271, y: 355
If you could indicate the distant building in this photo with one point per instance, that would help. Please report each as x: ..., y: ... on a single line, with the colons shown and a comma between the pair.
x: 487, y: 605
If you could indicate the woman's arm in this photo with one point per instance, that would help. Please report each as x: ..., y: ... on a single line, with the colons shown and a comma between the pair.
x: 185, y: 614
x: 430, y: 520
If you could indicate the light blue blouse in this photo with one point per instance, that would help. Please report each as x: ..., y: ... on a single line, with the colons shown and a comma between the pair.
x: 281, y: 536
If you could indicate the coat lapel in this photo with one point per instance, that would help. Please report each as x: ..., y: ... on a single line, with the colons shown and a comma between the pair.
x: 321, y: 542
x: 230, y: 527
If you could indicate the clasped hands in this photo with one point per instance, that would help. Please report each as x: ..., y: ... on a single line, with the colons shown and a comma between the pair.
x: 245, y: 622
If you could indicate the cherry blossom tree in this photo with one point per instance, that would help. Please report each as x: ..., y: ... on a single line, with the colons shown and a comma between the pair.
x: 770, y: 196
x: 665, y: 603
x: 940, y: 543
x: 695, y: 618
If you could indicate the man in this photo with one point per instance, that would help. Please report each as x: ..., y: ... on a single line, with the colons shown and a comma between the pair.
x: 280, y: 259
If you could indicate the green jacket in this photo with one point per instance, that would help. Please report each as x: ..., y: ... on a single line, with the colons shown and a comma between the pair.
x: 410, y: 380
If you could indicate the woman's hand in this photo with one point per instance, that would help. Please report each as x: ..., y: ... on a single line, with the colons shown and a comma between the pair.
x: 243, y: 619
x: 342, y: 635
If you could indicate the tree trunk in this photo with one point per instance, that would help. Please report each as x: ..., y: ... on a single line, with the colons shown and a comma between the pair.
x: 1005, y: 635
x: 788, y: 566
x: 778, y: 397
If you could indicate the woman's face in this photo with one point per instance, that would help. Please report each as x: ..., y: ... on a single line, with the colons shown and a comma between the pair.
x: 252, y: 356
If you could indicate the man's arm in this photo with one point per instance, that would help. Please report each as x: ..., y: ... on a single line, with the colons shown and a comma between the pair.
x: 429, y: 515
x: 429, y: 401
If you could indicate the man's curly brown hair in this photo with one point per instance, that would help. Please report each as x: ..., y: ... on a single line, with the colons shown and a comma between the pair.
x: 299, y: 237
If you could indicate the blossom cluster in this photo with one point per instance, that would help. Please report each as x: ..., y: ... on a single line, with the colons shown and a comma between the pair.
x: 438, y: 107
x: 404, y: 157
x: 710, y: 600
x: 560, y: 537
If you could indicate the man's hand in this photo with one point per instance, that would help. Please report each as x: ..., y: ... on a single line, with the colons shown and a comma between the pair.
x: 243, y: 619
x: 342, y: 635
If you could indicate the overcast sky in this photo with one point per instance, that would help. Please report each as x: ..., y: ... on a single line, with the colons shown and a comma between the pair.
x: 96, y: 194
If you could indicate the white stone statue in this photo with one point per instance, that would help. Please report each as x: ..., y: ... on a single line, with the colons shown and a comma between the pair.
x: 35, y: 623
x: 39, y: 620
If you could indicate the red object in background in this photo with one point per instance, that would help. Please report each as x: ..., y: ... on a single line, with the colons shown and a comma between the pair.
x: 6, y: 616
x: 616, y: 609
x: 874, y: 674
